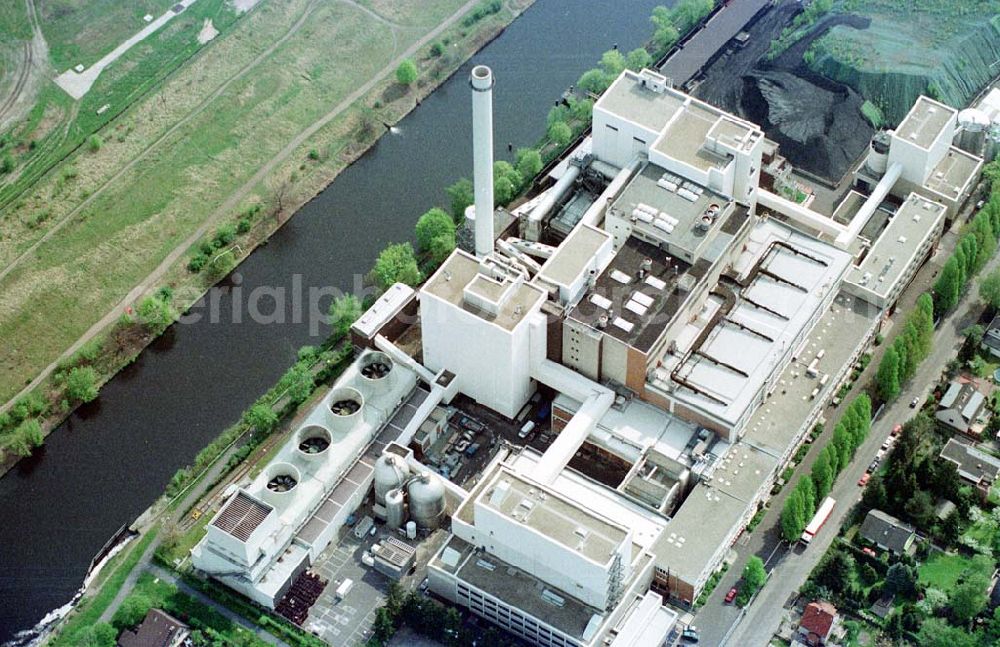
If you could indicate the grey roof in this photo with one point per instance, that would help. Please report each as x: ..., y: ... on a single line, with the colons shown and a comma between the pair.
x: 241, y: 516
x: 960, y: 405
x: 973, y: 464
x: 924, y: 122
x: 886, y: 530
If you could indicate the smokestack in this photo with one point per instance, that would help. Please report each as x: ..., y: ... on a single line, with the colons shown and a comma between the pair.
x: 481, y: 81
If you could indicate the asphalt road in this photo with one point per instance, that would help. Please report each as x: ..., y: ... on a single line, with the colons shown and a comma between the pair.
x: 789, y: 568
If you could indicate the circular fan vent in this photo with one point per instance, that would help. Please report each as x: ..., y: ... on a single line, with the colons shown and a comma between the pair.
x: 281, y: 483
x: 314, y: 445
x: 345, y: 407
x: 376, y: 370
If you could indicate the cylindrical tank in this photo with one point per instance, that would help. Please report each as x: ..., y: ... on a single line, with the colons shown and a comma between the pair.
x: 395, y: 509
x: 280, y: 481
x: 427, y: 500
x: 972, y: 126
x: 878, y: 153
x: 345, y: 405
x: 376, y: 372
x: 312, y: 442
x: 411, y: 529
x: 390, y: 473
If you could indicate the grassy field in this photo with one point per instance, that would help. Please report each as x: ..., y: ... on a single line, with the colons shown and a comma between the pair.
x: 100, y: 223
x: 82, y: 31
x: 943, y: 570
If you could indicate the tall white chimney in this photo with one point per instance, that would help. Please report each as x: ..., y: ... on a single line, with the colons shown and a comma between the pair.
x: 481, y: 81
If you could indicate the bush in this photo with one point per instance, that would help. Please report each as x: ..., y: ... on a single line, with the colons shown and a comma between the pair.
x: 197, y: 262
x: 437, y: 49
x: 94, y: 142
x: 81, y: 384
x: 243, y: 226
x: 224, y: 235
x: 7, y: 163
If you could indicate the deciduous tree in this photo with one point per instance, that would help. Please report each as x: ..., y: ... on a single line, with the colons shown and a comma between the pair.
x: 406, y: 73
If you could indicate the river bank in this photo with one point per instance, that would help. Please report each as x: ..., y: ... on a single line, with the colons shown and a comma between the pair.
x: 384, y: 103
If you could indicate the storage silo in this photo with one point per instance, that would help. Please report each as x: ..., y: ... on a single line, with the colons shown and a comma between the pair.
x: 878, y: 153
x: 390, y: 473
x: 411, y: 530
x: 972, y: 127
x: 395, y: 509
x: 426, y: 500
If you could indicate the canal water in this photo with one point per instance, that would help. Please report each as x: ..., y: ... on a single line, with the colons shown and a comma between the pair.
x: 112, y: 458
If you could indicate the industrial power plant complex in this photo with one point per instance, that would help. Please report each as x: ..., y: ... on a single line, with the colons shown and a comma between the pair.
x: 661, y: 328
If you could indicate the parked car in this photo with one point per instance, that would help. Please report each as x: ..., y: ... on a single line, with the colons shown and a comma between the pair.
x: 690, y: 636
x: 896, y: 430
x: 914, y: 402
x: 868, y: 551
x: 731, y: 595
x: 873, y: 465
x: 863, y: 481
x: 526, y: 429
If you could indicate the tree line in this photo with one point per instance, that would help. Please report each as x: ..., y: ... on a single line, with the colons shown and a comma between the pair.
x: 802, y: 502
x: 909, y: 348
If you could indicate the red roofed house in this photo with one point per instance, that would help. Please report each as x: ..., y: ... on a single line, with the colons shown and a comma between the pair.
x: 817, y: 623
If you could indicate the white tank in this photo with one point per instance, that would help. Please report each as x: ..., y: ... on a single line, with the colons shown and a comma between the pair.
x: 411, y: 530
x: 376, y: 372
x: 345, y: 407
x: 395, y: 509
x: 878, y: 154
x: 427, y: 500
x: 312, y: 443
x: 390, y: 473
x: 280, y: 481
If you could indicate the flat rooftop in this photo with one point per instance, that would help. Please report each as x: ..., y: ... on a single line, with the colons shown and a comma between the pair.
x: 630, y: 99
x: 664, y: 192
x: 514, y: 587
x: 659, y: 295
x: 574, y: 255
x: 561, y: 520
x: 684, y: 138
x: 462, y: 270
x: 785, y: 277
x: 694, y: 534
x: 953, y: 174
x: 890, y: 255
x: 742, y: 471
x: 775, y: 423
x: 925, y: 121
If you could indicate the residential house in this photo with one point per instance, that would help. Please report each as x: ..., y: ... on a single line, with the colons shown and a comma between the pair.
x: 991, y: 337
x: 974, y: 466
x: 887, y: 532
x: 962, y: 408
x: 158, y: 629
x: 817, y: 624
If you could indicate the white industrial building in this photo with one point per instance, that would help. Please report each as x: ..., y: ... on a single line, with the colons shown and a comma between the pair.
x: 273, y: 529
x: 692, y: 325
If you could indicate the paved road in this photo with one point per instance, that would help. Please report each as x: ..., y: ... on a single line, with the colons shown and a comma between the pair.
x: 793, y: 567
